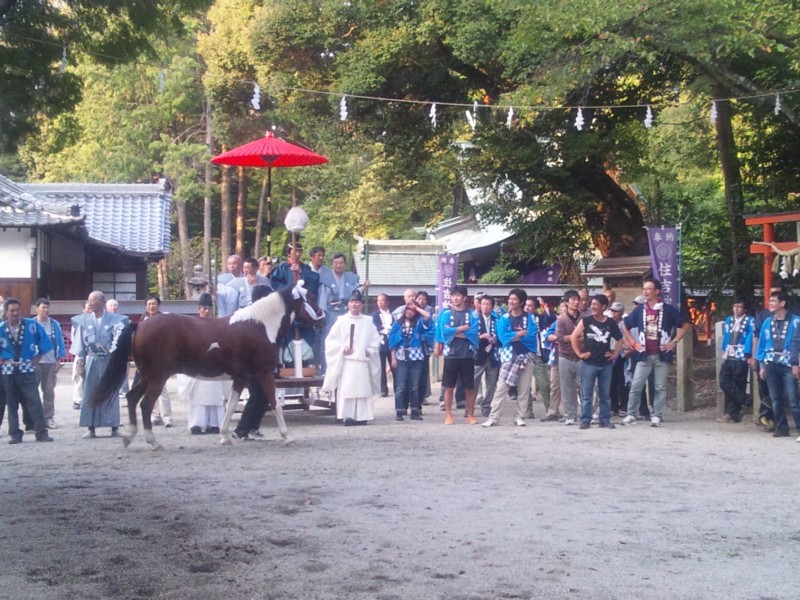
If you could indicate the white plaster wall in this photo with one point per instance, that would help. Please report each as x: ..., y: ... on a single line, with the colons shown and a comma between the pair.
x: 15, y: 260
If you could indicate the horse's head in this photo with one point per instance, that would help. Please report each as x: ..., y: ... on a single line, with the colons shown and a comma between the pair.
x: 302, y: 304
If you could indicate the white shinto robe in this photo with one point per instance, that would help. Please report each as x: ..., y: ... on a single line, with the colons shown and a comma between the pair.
x: 355, y: 377
x: 205, y: 401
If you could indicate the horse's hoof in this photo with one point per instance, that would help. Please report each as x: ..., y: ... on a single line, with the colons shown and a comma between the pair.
x: 126, y: 441
x: 289, y: 441
x: 157, y: 447
x: 226, y: 441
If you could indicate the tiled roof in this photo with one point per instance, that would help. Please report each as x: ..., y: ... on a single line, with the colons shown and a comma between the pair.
x: 133, y: 218
x: 19, y: 208
x: 623, y: 266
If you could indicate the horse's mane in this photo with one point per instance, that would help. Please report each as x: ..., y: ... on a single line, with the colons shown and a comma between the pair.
x: 269, y: 311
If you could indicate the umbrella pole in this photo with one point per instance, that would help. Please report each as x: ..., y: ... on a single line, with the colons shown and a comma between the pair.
x: 269, y: 212
x: 260, y: 217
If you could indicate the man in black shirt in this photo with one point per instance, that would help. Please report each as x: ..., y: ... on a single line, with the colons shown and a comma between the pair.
x: 598, y: 356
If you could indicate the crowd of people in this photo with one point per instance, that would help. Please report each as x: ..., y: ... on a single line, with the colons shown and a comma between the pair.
x: 587, y: 362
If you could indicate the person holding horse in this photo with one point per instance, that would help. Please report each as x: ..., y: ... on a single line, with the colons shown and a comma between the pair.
x: 95, y: 333
x: 163, y: 414
x: 352, y: 350
x: 23, y: 342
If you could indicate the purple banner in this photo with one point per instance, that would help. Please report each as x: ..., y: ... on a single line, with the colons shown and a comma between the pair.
x: 664, y: 257
x: 447, y: 277
x: 543, y: 275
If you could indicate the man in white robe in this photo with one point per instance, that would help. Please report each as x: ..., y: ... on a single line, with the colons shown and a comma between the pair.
x: 205, y: 398
x: 352, y: 351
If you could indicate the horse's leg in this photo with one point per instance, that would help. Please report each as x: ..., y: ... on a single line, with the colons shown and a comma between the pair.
x: 267, y: 383
x: 134, y: 395
x: 152, y: 392
x: 233, y: 402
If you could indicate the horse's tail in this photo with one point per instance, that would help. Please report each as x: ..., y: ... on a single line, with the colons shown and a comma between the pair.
x: 117, y: 368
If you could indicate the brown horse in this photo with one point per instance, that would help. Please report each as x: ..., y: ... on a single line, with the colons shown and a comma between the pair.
x: 242, y: 347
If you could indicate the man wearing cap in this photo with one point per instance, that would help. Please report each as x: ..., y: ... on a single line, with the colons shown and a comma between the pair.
x: 205, y: 398
x: 619, y: 389
x: 660, y: 328
x: 457, y: 339
x: 352, y: 351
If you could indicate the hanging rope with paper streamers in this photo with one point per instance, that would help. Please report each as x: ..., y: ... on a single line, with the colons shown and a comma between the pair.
x: 777, y: 104
x: 648, y: 119
x: 713, y: 116
x: 256, y: 99
x: 579, y: 120
x: 343, y: 109
x: 471, y: 120
x: 786, y: 261
x: 63, y: 66
x: 510, y: 117
x: 432, y: 115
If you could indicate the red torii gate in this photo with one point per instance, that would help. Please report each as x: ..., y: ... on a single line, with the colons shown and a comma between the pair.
x: 768, y: 245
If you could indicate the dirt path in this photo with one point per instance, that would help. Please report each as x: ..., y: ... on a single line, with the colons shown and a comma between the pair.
x: 403, y: 510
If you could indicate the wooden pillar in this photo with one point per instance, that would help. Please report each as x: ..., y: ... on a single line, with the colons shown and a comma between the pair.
x: 684, y: 363
x: 718, y: 327
x: 769, y: 256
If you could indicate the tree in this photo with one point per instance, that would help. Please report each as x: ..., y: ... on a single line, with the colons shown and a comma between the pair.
x: 40, y: 42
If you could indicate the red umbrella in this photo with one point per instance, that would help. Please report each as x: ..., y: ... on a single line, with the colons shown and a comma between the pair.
x: 269, y: 152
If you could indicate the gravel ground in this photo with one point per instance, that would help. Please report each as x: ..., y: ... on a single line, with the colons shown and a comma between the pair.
x: 694, y: 509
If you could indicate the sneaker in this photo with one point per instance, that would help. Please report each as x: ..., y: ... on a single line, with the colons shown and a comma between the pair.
x: 562, y: 419
x: 547, y: 418
x: 471, y: 420
x: 655, y: 421
x: 629, y: 420
x: 584, y: 425
x: 781, y: 434
x: 15, y: 440
x: 244, y: 437
x: 519, y: 422
x: 212, y: 430
x: 255, y: 433
x: 51, y: 424
x: 607, y: 426
x: 725, y: 419
x: 156, y: 421
x: 489, y: 423
x: 44, y: 438
x: 196, y: 430
x: 167, y: 422
x: 416, y: 416
x: 399, y: 417
x: 569, y: 421
x: 448, y: 420
x: 89, y: 435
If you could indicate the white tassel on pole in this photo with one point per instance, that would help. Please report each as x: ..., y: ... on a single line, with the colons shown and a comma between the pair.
x: 432, y: 115
x: 777, y: 104
x: 579, y: 120
x: 256, y: 99
x: 510, y: 117
x: 713, y: 115
x: 471, y: 120
x: 648, y: 119
x: 343, y: 109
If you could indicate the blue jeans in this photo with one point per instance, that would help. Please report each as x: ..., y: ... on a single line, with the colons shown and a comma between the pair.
x: 782, y: 385
x: 590, y: 373
x: 643, y: 368
x: 406, y: 385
